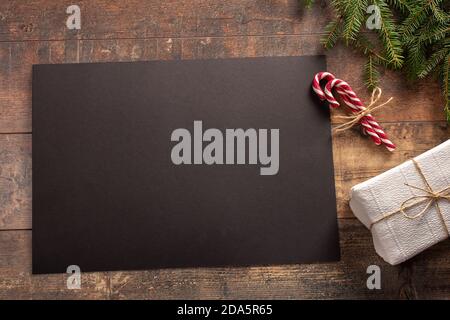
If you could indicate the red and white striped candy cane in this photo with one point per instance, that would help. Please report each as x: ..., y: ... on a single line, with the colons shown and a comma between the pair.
x: 368, y: 123
x: 316, y: 85
x: 331, y: 79
x: 347, y: 94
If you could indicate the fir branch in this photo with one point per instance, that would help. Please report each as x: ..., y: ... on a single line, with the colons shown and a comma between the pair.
x: 417, y: 16
x: 333, y: 30
x: 402, y: 5
x: 389, y: 36
x: 353, y: 19
x: 365, y: 46
x: 438, y: 13
x: 340, y: 5
x: 430, y: 32
x: 435, y: 59
x: 415, y: 60
x: 434, y: 34
x: 371, y: 74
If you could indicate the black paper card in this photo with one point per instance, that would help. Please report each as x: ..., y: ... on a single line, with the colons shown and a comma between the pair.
x: 181, y: 164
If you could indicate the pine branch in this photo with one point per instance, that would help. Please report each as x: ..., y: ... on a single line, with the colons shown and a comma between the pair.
x: 341, y: 5
x: 438, y: 13
x: 365, y: 46
x: 333, y: 30
x: 418, y: 15
x: 435, y: 59
x: 431, y: 31
x: 389, y: 36
x: 402, y: 5
x: 371, y: 74
x: 353, y: 19
x: 415, y: 60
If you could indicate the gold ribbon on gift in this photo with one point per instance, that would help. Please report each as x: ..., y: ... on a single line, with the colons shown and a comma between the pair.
x: 430, y: 197
x: 357, y: 116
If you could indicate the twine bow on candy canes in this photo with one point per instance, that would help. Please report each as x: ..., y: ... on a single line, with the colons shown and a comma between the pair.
x: 356, y: 117
x: 360, y: 114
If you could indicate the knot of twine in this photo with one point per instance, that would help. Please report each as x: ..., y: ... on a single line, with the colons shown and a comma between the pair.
x: 430, y: 197
x: 356, y: 117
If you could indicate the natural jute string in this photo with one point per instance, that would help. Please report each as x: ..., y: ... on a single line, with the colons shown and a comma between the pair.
x: 431, y: 196
x: 355, y: 118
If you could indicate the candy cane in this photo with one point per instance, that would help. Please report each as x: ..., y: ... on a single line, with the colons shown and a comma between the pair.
x: 351, y: 100
x: 343, y: 89
x: 326, y: 94
x: 316, y: 83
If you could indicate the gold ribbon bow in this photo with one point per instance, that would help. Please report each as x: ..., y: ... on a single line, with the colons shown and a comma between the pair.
x: 357, y: 116
x: 429, y: 197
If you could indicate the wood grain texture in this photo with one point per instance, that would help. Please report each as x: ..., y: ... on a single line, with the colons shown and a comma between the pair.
x: 15, y: 181
x: 16, y: 281
x: 346, y: 279
x: 34, y: 32
x: 106, y: 19
x: 356, y: 158
x: 350, y: 153
x: 16, y: 59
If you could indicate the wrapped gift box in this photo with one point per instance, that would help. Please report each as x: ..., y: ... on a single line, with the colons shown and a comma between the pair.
x: 407, y: 208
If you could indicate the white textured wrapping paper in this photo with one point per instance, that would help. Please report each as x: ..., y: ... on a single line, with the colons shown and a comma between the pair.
x: 397, y: 238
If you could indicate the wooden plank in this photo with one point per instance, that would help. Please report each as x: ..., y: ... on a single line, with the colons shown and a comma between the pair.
x: 106, y: 19
x: 345, y: 279
x: 429, y: 273
x: 355, y: 159
x: 201, y: 29
x: 16, y: 59
x: 419, y: 103
x: 16, y: 281
x: 15, y: 181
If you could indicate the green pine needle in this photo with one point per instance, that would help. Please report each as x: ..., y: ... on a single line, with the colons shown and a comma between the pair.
x: 431, y: 31
x: 353, y: 19
x: 390, y: 36
x: 435, y: 59
x: 371, y: 74
x: 416, y: 58
x: 333, y: 29
x: 402, y: 5
x: 366, y: 47
x: 438, y: 13
x: 414, y: 20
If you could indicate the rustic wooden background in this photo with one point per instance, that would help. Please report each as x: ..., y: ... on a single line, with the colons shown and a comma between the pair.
x: 34, y: 31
